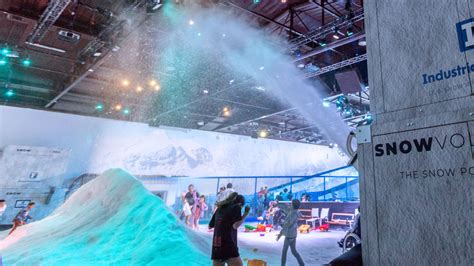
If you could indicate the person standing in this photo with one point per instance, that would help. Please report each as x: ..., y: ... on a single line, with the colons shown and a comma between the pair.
x: 225, y: 221
x: 191, y: 198
x: 3, y: 206
x: 290, y: 231
x: 201, y: 206
x: 22, y: 217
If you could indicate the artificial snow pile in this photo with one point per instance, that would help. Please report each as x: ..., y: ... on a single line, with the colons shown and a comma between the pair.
x: 112, y: 220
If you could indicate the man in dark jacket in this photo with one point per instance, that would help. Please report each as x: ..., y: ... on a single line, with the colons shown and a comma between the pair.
x: 225, y: 221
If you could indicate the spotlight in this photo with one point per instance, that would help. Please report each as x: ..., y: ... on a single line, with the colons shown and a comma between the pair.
x: 10, y: 93
x: 261, y: 68
x: 256, y: 1
x: 205, y: 91
x: 226, y: 112
x: 322, y: 43
x: 191, y: 22
x: 125, y: 83
x: 126, y: 111
x: 152, y: 82
x: 99, y: 107
x: 153, y: 6
x: 3, y: 61
x: 326, y: 103
x: 224, y: 35
x: 139, y: 88
x: 231, y: 82
x: 301, y: 65
x: 263, y: 133
x: 26, y: 62
x: 200, y: 123
x: 5, y: 51
x: 157, y: 87
x: 97, y: 54
x: 349, y: 31
x: 331, y: 145
x: 118, y: 107
x: 199, y: 34
x: 362, y: 42
x: 283, y: 1
x: 335, y: 36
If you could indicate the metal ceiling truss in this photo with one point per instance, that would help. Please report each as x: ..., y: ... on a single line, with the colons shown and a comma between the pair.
x: 326, y: 29
x: 47, y: 19
x: 336, y: 66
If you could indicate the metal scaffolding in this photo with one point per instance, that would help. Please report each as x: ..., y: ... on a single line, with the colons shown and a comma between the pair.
x: 47, y: 19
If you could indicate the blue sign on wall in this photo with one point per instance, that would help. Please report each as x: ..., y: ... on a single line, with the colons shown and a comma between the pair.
x: 465, y: 34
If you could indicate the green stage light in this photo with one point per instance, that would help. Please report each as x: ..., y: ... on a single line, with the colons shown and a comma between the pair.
x: 5, y: 51
x: 26, y: 62
x: 99, y: 107
x: 3, y: 61
x: 10, y: 93
x: 126, y: 111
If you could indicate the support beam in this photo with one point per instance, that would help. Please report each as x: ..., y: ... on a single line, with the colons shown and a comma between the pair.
x: 326, y: 29
x: 265, y: 18
x: 335, y: 66
x: 331, y: 46
x: 325, y: 9
x: 47, y: 19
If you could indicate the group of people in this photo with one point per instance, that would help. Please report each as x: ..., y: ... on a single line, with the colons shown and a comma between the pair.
x: 21, y: 218
x: 228, y: 218
x: 194, y: 206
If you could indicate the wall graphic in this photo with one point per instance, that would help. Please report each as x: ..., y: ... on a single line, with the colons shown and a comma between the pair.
x: 99, y: 144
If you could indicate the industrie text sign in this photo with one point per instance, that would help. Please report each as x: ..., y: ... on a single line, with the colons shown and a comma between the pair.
x: 465, y: 36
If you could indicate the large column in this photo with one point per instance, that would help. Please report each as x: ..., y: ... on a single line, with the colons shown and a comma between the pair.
x: 417, y: 173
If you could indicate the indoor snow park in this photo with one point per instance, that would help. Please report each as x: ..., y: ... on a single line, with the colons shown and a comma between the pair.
x: 236, y: 132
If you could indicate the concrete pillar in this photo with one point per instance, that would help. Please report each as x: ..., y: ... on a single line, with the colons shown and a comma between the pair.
x: 417, y: 174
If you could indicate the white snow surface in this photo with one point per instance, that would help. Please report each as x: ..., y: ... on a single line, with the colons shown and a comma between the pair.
x: 112, y: 220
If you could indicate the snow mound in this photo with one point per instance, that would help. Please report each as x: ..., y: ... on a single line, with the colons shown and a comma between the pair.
x: 111, y: 220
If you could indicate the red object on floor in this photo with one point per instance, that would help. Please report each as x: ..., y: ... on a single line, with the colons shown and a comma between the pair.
x: 324, y: 227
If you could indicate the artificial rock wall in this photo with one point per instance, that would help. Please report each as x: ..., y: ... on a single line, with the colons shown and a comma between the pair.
x: 417, y: 171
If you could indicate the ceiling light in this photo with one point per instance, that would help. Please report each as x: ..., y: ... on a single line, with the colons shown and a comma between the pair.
x: 5, y: 51
x: 191, y: 22
x: 125, y: 82
x: 152, y: 82
x: 301, y: 65
x: 96, y: 54
x: 231, y: 81
x: 9, y: 93
x: 26, y: 62
x: 199, y: 34
x: 157, y: 87
x: 263, y: 133
x: 200, y: 123
x: 139, y: 88
x: 90, y: 70
x: 13, y: 54
x: 326, y: 103
x: 205, y: 91
x: 335, y: 36
x: 261, y: 68
x: 3, y: 61
x: 362, y: 42
x: 118, y: 107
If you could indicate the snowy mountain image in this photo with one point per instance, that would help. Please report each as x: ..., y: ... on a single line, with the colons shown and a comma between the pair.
x: 168, y: 158
x: 200, y: 154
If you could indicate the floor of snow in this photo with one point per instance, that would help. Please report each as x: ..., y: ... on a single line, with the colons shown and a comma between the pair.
x: 316, y: 248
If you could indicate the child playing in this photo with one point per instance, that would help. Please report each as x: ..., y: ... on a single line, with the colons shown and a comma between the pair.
x: 186, y: 210
x: 22, y: 217
x: 289, y: 230
x: 201, y: 206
